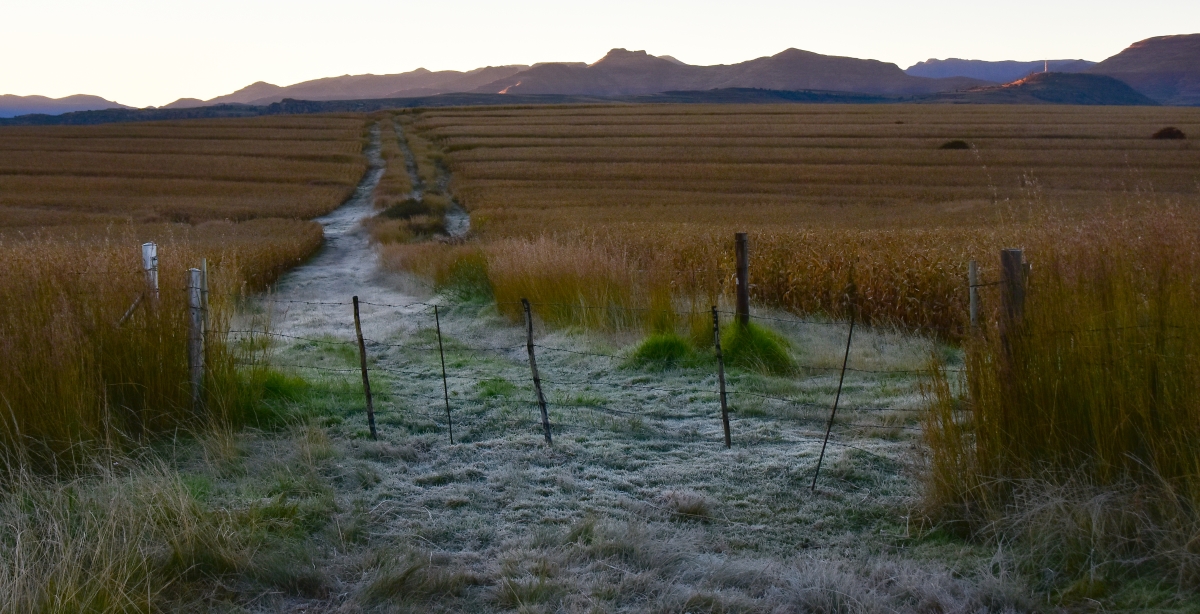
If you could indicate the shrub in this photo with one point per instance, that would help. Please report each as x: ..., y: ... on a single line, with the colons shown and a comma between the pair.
x: 663, y: 351
x: 955, y: 144
x: 1169, y: 133
x: 405, y: 209
x: 751, y: 346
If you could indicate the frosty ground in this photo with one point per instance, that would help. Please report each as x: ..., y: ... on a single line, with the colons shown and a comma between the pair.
x: 636, y: 506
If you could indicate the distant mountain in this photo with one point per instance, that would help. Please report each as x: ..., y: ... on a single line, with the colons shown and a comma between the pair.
x: 1053, y: 88
x: 420, y: 82
x: 12, y: 106
x: 996, y: 72
x: 1165, y: 68
x: 628, y: 73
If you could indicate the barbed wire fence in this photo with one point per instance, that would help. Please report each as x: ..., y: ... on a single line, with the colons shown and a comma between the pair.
x: 569, y: 410
x: 714, y: 388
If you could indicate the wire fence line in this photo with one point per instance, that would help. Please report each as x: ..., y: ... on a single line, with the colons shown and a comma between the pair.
x: 565, y: 390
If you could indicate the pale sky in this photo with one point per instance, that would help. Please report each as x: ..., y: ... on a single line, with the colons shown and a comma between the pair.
x: 144, y: 52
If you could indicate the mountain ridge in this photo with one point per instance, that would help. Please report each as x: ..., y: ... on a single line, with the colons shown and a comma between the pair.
x: 1003, y: 71
x: 14, y: 106
x: 629, y: 73
x: 1165, y: 68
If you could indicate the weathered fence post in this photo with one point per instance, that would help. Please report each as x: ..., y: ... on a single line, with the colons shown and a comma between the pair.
x: 1012, y: 295
x: 1012, y: 284
x: 195, y: 340
x: 362, y: 361
x: 204, y: 292
x: 743, y: 279
x: 853, y: 296
x: 445, y: 387
x: 721, y: 376
x: 150, y: 266
x: 973, y: 283
x: 537, y: 381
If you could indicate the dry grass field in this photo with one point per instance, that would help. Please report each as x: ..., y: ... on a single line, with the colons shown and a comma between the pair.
x: 653, y: 194
x: 191, y: 171
x: 76, y: 203
x: 1069, y: 440
x: 94, y: 520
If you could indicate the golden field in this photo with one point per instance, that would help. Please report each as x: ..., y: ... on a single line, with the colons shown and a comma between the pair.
x: 655, y: 193
x: 75, y: 205
x: 187, y: 171
x: 1071, y: 439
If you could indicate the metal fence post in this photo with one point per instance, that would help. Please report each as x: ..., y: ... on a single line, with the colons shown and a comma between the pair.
x: 721, y: 376
x: 362, y: 359
x: 537, y: 381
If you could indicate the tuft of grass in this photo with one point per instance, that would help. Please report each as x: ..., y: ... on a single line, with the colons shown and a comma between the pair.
x: 754, y: 347
x: 663, y: 351
x: 686, y: 505
x: 412, y: 579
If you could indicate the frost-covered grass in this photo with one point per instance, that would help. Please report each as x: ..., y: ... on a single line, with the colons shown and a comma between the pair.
x: 637, y: 506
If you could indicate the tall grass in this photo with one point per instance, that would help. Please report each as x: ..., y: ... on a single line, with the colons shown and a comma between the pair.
x: 1078, y: 432
x: 116, y: 540
x: 76, y: 377
x: 636, y: 207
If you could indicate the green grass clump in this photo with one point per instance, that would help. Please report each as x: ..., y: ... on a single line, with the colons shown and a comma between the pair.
x: 466, y: 279
x: 753, y: 347
x: 663, y: 351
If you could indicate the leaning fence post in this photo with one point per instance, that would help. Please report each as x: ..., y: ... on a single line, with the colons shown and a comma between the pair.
x: 973, y: 283
x: 195, y: 340
x: 853, y: 295
x: 721, y: 376
x: 437, y: 321
x: 150, y: 267
x: 743, y: 279
x: 537, y: 381
x: 362, y: 359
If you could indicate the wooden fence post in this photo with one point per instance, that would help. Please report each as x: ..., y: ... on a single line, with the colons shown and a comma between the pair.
x: 537, y: 381
x: 362, y: 360
x: 1012, y: 285
x: 195, y: 340
x: 973, y: 283
x: 1012, y: 295
x: 743, y: 279
x: 150, y: 266
x: 721, y: 376
x: 445, y: 387
x: 204, y: 292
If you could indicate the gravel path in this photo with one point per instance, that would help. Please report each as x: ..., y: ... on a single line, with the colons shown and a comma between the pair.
x: 314, y: 299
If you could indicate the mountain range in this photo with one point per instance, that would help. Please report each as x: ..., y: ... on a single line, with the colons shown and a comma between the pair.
x: 996, y: 72
x: 1164, y: 70
x: 12, y: 106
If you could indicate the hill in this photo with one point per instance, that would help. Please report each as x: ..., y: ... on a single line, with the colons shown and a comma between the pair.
x: 419, y: 82
x: 997, y: 72
x: 630, y: 73
x: 12, y: 106
x: 1054, y: 88
x: 1165, y: 68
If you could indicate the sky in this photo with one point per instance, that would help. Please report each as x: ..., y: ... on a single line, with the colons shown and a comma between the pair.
x: 152, y: 52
